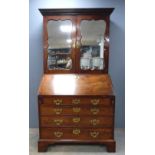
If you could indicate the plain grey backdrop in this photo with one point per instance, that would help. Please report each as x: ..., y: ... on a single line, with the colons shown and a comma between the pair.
x: 117, y: 50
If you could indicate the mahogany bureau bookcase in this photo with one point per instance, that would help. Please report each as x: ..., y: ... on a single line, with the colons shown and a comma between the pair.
x: 76, y: 103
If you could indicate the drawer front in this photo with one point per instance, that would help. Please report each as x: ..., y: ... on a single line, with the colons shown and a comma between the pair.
x: 76, y: 121
x: 76, y: 133
x: 50, y: 110
x: 77, y: 101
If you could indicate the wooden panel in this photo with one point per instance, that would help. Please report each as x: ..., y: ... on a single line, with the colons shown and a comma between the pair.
x: 77, y: 101
x: 76, y: 110
x: 79, y: 85
x: 76, y: 133
x: 72, y: 121
x: 76, y: 11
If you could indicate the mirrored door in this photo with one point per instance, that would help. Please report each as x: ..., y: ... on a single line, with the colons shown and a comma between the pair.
x: 91, y: 43
x: 60, y: 44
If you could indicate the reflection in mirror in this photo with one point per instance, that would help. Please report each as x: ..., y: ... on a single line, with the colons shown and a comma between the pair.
x: 59, y: 44
x: 92, y: 49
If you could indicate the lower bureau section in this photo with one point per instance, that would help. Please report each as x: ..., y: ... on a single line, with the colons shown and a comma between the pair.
x: 76, y: 133
x: 76, y: 120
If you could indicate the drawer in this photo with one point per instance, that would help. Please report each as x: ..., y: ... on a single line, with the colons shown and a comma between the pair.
x: 77, y: 101
x: 49, y: 110
x: 75, y: 121
x: 76, y: 133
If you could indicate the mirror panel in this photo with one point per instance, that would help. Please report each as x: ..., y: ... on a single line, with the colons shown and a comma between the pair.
x: 59, y: 44
x: 92, y: 44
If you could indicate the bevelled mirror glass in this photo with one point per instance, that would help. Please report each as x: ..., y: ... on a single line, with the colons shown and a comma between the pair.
x: 59, y: 44
x: 92, y: 44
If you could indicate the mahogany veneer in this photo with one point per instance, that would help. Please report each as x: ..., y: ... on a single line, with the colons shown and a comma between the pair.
x: 81, y: 110
x: 76, y: 105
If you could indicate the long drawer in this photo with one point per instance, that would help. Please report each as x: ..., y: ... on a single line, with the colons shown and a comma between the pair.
x: 76, y: 133
x: 77, y: 101
x: 76, y: 121
x: 76, y: 110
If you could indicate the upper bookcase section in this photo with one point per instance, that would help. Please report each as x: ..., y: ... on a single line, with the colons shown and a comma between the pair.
x: 76, y: 40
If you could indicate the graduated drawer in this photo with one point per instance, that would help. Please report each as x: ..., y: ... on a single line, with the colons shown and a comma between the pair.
x: 77, y: 101
x: 70, y: 121
x: 76, y: 133
x: 76, y: 110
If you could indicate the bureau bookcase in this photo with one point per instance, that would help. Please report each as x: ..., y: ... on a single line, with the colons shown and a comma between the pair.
x: 76, y: 103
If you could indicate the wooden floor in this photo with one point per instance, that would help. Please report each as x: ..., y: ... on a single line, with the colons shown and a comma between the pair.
x: 78, y: 149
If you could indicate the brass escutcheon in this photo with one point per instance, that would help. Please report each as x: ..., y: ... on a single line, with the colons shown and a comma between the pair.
x: 76, y: 131
x: 95, y: 101
x: 94, y: 121
x: 94, y: 134
x: 58, y: 111
x: 78, y: 44
x: 58, y: 134
x: 73, y: 44
x: 76, y: 101
x: 58, y: 121
x: 94, y: 110
x: 76, y: 119
x: 57, y: 101
x: 76, y: 109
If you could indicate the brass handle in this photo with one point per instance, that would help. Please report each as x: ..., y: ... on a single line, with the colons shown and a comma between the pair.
x: 78, y: 44
x: 95, y: 101
x: 76, y: 109
x: 58, y: 121
x: 58, y: 111
x: 94, y: 121
x: 76, y: 131
x: 73, y: 44
x: 58, y: 134
x: 94, y: 110
x: 76, y: 119
x: 76, y: 101
x: 94, y: 134
x: 57, y: 101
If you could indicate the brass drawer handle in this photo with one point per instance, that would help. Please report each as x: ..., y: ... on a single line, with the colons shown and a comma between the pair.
x: 74, y: 44
x: 58, y: 111
x: 76, y: 131
x: 94, y: 110
x: 95, y: 101
x: 94, y: 121
x: 76, y: 109
x: 78, y: 44
x: 76, y: 101
x: 57, y: 101
x: 58, y: 134
x: 76, y: 119
x: 94, y: 134
x: 58, y: 121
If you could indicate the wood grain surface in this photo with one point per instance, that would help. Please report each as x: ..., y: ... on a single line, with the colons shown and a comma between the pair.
x: 76, y: 84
